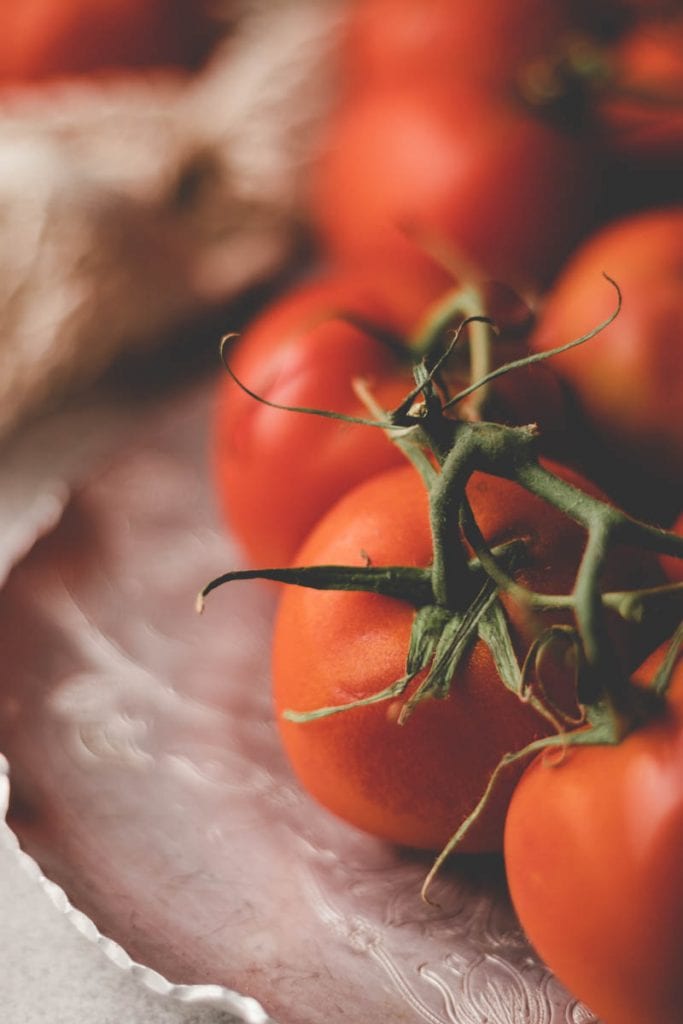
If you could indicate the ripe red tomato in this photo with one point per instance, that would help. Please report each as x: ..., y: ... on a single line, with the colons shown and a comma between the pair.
x: 487, y: 42
x: 593, y: 851
x: 413, y: 783
x: 501, y: 190
x: 47, y: 38
x: 628, y: 380
x: 276, y: 472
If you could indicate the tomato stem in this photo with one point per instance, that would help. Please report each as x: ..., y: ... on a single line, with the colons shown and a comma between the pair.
x: 449, y: 578
x: 469, y: 303
x: 600, y: 658
x: 456, y: 598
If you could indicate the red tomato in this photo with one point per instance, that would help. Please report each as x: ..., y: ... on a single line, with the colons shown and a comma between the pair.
x: 47, y: 38
x: 593, y: 852
x: 643, y: 116
x: 276, y: 472
x: 503, y: 191
x: 413, y: 783
x: 628, y: 380
x: 487, y: 42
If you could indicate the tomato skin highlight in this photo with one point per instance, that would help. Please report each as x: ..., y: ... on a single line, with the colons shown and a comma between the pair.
x: 479, y: 177
x: 593, y: 851
x: 411, y: 784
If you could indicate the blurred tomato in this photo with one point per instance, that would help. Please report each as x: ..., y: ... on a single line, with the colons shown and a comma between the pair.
x: 48, y: 38
x: 628, y: 380
x: 643, y: 116
x: 640, y: 116
x: 504, y: 191
x: 487, y: 43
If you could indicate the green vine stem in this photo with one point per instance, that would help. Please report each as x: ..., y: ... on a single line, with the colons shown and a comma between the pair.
x: 508, y: 452
x: 459, y: 449
x: 623, y: 527
x: 467, y: 302
x: 446, y: 498
x: 630, y: 605
x: 600, y: 727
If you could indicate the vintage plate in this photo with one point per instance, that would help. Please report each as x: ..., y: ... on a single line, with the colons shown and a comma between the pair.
x: 148, y: 785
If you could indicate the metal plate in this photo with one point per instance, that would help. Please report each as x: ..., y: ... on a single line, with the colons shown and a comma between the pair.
x: 148, y: 784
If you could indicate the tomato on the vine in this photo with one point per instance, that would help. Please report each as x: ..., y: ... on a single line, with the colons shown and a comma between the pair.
x: 498, y: 188
x: 628, y: 380
x: 414, y: 783
x: 593, y: 850
x: 276, y: 472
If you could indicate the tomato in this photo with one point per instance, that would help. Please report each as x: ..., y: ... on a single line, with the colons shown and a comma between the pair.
x: 414, y: 783
x: 643, y: 116
x: 593, y: 851
x: 46, y: 38
x: 500, y: 190
x: 628, y: 380
x: 487, y: 42
x: 276, y: 472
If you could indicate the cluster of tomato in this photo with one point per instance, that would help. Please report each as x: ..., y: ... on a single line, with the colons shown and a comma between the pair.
x: 473, y: 143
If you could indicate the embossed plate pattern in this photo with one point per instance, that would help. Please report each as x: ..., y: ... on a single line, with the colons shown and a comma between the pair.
x: 148, y: 783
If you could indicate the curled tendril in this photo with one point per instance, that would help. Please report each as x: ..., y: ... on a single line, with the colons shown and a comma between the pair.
x: 430, y: 374
x: 399, y: 417
x: 538, y: 357
x: 533, y: 690
x: 308, y: 410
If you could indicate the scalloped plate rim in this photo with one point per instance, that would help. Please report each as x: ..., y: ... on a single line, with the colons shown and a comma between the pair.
x: 243, y: 1008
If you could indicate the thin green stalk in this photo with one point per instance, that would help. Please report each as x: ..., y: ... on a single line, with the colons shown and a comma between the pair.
x: 590, y: 613
x: 450, y: 580
x: 469, y: 303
